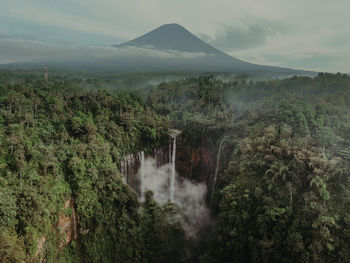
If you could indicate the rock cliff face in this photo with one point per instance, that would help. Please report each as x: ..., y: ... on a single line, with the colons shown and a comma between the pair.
x: 194, y: 167
x: 67, y: 224
x: 199, y: 164
x: 39, y: 254
x: 195, y: 163
x: 66, y: 229
x: 129, y: 165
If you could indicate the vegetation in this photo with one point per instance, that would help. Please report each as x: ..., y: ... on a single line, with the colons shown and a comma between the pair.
x: 60, y: 143
x: 283, y: 188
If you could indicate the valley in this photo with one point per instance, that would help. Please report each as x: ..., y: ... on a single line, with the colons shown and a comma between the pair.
x: 174, y: 131
x: 191, y: 170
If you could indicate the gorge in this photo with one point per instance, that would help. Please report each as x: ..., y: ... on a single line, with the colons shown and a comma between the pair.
x: 91, y: 176
x: 157, y: 172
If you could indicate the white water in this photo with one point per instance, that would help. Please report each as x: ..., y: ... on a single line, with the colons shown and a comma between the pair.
x: 217, y: 167
x: 172, y: 167
x: 137, y: 171
x: 126, y: 163
x: 188, y: 195
x: 166, y: 185
x: 142, y: 174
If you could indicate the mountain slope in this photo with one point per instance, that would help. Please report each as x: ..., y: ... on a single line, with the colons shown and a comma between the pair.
x: 170, y: 47
x: 172, y: 37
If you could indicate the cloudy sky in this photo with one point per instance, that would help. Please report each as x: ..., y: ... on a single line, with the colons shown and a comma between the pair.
x: 304, y: 34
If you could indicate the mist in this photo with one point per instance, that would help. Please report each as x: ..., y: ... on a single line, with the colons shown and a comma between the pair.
x: 188, y: 195
x: 18, y: 50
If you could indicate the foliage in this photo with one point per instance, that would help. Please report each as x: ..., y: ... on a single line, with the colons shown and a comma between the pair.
x: 59, y: 143
x: 283, y: 188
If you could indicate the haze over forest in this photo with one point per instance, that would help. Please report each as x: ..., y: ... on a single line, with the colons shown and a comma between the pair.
x: 174, y: 131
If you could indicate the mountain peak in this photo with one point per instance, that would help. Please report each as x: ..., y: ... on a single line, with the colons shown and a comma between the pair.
x: 172, y: 25
x: 193, y: 54
x: 172, y: 37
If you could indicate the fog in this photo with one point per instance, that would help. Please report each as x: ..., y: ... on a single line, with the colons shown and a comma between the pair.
x: 18, y: 50
x: 188, y: 195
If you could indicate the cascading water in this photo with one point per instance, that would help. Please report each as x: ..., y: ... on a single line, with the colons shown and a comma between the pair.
x: 158, y: 174
x: 212, y: 181
x: 129, y: 167
x: 142, y: 174
x: 217, y: 166
x: 173, y: 134
x: 135, y: 170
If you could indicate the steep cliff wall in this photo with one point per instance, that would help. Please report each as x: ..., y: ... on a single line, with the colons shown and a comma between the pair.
x: 64, y: 231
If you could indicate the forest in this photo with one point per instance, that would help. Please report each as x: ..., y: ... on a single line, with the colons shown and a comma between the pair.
x: 282, y: 192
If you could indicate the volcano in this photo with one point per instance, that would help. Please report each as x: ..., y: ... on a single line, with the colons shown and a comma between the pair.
x: 190, y: 53
x: 170, y: 47
x: 172, y: 37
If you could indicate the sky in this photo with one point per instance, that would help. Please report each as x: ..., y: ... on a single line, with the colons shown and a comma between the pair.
x: 302, y: 34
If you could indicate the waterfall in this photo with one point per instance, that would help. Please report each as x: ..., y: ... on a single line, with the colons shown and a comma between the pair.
x: 124, y: 165
x: 213, y: 179
x: 135, y: 170
x: 131, y: 167
x: 172, y: 153
x: 157, y: 172
x: 142, y: 174
x: 217, y: 165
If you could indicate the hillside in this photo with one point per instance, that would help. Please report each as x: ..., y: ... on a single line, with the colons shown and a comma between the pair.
x: 269, y: 160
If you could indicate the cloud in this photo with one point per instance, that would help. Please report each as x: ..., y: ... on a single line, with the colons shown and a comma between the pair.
x: 245, y: 28
x: 311, y: 53
x: 148, y: 51
x: 246, y: 34
x: 188, y: 195
x: 16, y: 50
x: 18, y: 37
x: 52, y: 15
